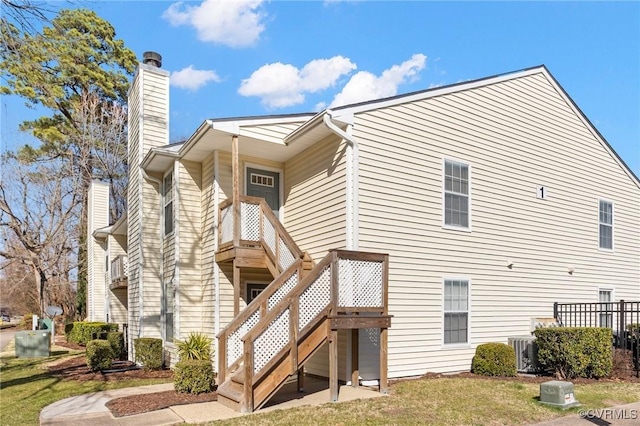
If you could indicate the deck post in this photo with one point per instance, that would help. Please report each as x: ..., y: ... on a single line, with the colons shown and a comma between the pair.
x: 333, y: 365
x: 235, y: 164
x: 355, y: 367
x: 383, y: 359
x: 236, y: 289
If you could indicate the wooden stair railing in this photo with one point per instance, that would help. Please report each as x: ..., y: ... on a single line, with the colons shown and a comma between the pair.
x: 258, y: 226
x: 286, y: 337
x: 229, y: 339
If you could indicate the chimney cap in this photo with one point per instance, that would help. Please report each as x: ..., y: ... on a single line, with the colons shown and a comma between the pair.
x: 152, y: 58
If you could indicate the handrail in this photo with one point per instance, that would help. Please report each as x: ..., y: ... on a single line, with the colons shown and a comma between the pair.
x: 289, y: 308
x: 260, y: 306
x: 119, y: 268
x: 264, y: 229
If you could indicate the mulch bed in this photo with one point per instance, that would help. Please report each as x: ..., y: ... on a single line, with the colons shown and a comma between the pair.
x: 76, y: 368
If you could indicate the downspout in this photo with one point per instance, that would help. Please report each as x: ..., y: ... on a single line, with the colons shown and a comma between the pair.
x: 140, y: 277
x: 352, y: 187
x: 352, y: 190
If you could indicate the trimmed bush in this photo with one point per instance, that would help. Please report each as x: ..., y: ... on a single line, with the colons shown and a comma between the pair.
x: 193, y: 376
x: 494, y: 359
x: 196, y: 346
x: 99, y: 355
x: 116, y: 339
x: 81, y: 332
x: 148, y: 352
x: 571, y: 352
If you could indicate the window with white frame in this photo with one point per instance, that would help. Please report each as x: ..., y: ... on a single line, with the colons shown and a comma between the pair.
x: 167, y: 199
x: 606, y: 225
x: 456, y: 194
x: 456, y: 311
x: 168, y: 303
x: 606, y: 309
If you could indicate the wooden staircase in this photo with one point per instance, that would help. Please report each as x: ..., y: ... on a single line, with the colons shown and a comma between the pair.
x: 272, y: 338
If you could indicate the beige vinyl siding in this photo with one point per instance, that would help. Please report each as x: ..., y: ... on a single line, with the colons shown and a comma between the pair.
x: 148, y: 128
x: 152, y: 260
x: 315, y: 191
x: 191, y: 290
x: 315, y: 197
x: 118, y: 299
x: 269, y: 131
x: 515, y: 135
x: 208, y: 247
x: 133, y: 216
x: 98, y: 217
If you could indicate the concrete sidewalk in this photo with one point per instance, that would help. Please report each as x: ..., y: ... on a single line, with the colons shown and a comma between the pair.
x: 90, y: 408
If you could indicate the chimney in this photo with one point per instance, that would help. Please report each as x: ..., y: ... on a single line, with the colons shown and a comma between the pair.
x: 152, y: 58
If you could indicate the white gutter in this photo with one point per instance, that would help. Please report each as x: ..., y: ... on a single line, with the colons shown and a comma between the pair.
x: 352, y: 180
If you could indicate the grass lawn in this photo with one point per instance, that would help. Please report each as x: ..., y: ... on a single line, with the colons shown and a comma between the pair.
x: 448, y: 401
x: 26, y: 387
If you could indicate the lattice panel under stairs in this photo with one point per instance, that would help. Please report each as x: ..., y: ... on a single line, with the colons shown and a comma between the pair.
x: 269, y: 234
x: 315, y: 298
x: 235, y: 347
x: 250, y: 229
x: 227, y: 224
x: 281, y: 292
x: 286, y: 257
x: 360, y: 283
x: 271, y: 341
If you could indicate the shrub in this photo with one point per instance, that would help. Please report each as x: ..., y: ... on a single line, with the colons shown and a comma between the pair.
x: 27, y: 322
x: 571, y: 352
x: 81, y: 332
x: 494, y: 359
x: 99, y: 355
x: 196, y: 346
x: 193, y: 376
x: 68, y: 328
x: 148, y: 352
x: 116, y: 339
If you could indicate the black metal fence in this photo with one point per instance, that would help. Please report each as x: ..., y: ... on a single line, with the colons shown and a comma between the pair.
x: 622, y: 317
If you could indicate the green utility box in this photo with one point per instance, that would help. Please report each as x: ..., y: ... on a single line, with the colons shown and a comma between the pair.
x: 33, y: 344
x: 559, y: 394
x: 45, y: 324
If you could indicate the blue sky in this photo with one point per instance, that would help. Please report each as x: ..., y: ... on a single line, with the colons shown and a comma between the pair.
x: 246, y: 58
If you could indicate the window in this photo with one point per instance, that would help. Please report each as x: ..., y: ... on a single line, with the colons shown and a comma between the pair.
x: 168, y: 310
x: 167, y: 198
x: 253, y: 290
x: 606, y: 225
x: 606, y: 309
x: 456, y: 194
x: 456, y: 311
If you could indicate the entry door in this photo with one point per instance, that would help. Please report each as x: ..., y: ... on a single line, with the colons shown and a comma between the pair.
x: 264, y: 184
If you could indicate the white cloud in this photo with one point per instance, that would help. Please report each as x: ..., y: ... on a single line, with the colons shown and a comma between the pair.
x: 236, y: 23
x: 280, y: 85
x: 365, y: 86
x: 192, y: 79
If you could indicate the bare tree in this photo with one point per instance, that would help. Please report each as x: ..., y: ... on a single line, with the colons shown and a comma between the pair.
x: 38, y: 215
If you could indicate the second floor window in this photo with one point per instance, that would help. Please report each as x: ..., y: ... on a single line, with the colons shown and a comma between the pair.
x: 606, y: 225
x: 456, y: 194
x: 167, y: 199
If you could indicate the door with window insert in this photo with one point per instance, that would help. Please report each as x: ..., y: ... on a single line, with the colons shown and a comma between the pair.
x: 264, y: 184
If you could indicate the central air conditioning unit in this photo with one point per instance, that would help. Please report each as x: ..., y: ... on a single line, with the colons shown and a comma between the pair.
x: 526, y: 353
